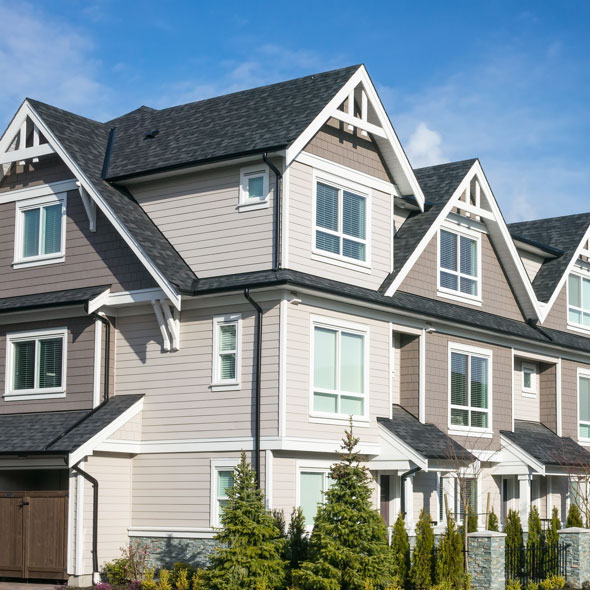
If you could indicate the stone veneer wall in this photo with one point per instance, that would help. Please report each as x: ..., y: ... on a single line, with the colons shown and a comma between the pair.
x: 578, y: 555
x: 165, y: 551
x: 487, y: 552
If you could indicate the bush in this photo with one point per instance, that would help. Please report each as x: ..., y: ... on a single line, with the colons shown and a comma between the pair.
x: 574, y: 517
x: 101, y: 586
x: 449, y: 563
x: 116, y: 572
x: 164, y: 583
x: 297, y: 540
x: 513, y: 585
x: 552, y: 536
x: 532, y: 586
x: 493, y: 524
x: 182, y: 580
x: 175, y: 574
x: 400, y: 551
x: 536, y: 537
x: 422, y: 559
x: 198, y: 580
x: 513, y: 530
x: 554, y: 583
x: 148, y: 580
x: 137, y: 555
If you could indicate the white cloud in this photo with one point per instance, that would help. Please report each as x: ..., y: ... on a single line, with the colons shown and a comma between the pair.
x: 424, y: 147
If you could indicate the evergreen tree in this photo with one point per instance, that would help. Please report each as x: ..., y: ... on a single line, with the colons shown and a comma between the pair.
x: 279, y: 518
x: 493, y: 521
x: 574, y: 517
x: 552, y: 534
x: 297, y: 539
x: 400, y: 550
x: 249, y: 555
x: 422, y: 559
x: 471, y: 521
x: 535, y: 538
x: 348, y: 547
x: 513, y: 530
x: 449, y: 562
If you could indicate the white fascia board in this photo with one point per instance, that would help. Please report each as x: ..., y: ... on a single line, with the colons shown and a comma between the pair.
x: 395, y: 449
x: 509, y: 447
x: 98, y: 301
x: 27, y: 109
x: 361, y: 76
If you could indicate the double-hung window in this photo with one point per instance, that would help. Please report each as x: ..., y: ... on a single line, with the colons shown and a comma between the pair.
x: 469, y: 389
x: 339, y: 371
x: 341, y: 223
x: 584, y: 405
x: 578, y: 289
x: 459, y: 264
x: 313, y: 484
x: 226, y: 350
x: 39, y: 236
x: 36, y: 363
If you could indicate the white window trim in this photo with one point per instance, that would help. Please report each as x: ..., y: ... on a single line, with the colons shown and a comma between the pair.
x: 471, y: 430
x: 21, y: 206
x: 339, y: 325
x: 216, y: 466
x: 310, y: 466
x: 586, y: 374
x: 445, y: 292
x: 36, y: 393
x: 571, y: 325
x: 339, y: 259
x: 218, y: 384
x: 245, y: 203
x: 533, y: 369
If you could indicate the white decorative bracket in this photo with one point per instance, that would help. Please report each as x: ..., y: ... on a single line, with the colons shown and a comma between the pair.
x: 89, y: 206
x: 361, y: 122
x: 169, y: 322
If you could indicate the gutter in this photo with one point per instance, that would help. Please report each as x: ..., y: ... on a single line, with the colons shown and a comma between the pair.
x: 257, y: 383
x: 277, y: 213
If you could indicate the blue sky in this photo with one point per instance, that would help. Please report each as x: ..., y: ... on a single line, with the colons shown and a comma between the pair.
x: 508, y: 82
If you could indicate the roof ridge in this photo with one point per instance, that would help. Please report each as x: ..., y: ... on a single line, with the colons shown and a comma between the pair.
x: 70, y: 113
x: 445, y: 164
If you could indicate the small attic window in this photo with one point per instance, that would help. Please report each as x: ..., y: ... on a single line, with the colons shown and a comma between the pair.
x: 253, y: 187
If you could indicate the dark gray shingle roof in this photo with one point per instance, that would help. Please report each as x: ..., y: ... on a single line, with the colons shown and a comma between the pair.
x: 53, y: 299
x: 545, y: 446
x: 426, y: 439
x: 438, y: 184
x: 561, y: 233
x: 20, y: 433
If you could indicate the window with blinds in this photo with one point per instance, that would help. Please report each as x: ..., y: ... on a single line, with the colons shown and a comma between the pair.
x: 37, y: 363
x: 578, y: 295
x: 469, y: 390
x: 584, y: 406
x: 226, y: 350
x: 338, y: 372
x: 458, y: 264
x: 41, y: 231
x: 341, y: 222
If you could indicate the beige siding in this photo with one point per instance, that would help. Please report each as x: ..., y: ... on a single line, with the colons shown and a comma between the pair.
x: 557, y: 318
x: 80, y: 367
x: 130, y: 431
x: 489, y: 485
x: 410, y: 373
x: 532, y: 263
x: 558, y: 496
x: 548, y: 395
x: 299, y: 374
x: 198, y: 214
x: 496, y: 293
x: 425, y: 494
x: 301, y: 199
x: 569, y: 397
x: 525, y: 407
x: 396, y: 377
x: 179, y: 402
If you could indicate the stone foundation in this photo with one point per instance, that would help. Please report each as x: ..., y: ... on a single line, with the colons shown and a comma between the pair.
x: 168, y: 550
x: 578, y: 555
x: 486, y: 560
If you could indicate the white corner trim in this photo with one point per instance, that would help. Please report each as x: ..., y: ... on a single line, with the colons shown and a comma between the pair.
x: 79, y: 525
x: 97, y: 363
x: 283, y: 363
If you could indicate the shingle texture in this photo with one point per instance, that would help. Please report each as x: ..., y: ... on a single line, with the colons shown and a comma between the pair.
x: 426, y: 439
x: 561, y: 233
x: 438, y: 184
x: 545, y: 446
x: 53, y: 299
x: 34, y: 431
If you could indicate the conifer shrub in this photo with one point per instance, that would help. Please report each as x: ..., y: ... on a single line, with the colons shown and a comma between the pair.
x: 493, y: 524
x: 535, y: 537
x: 552, y: 535
x: 513, y: 530
x: 449, y: 558
x: 423, y: 556
x: 198, y: 580
x: 574, y: 517
x: 400, y: 551
x: 148, y: 582
x: 164, y: 580
x: 297, y: 545
x: 513, y: 585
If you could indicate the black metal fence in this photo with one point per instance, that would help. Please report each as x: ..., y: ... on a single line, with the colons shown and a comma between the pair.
x: 534, y: 564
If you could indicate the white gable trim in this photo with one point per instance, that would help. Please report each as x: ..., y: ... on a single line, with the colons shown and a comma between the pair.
x: 395, y: 449
x: 27, y: 110
x: 520, y: 454
x: 409, y: 184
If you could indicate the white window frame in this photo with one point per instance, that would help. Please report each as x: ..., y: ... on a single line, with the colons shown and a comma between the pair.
x: 533, y: 370
x: 582, y: 373
x: 39, y: 202
x: 245, y: 202
x: 218, y: 465
x: 311, y: 466
x: 218, y: 384
x: 36, y: 393
x: 352, y: 328
x: 453, y: 294
x: 339, y: 259
x: 456, y: 429
x: 578, y: 272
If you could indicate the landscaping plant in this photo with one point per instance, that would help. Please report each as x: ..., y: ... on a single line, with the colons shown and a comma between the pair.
x: 148, y: 582
x: 198, y: 580
x: 297, y: 539
x: 513, y: 585
x: 348, y: 547
x: 423, y: 556
x: 552, y: 536
x: 400, y: 551
x: 493, y: 524
x: 574, y: 517
x: 250, y: 547
x: 536, y: 538
x: 116, y: 571
x: 449, y: 559
x: 513, y: 530
x: 164, y: 581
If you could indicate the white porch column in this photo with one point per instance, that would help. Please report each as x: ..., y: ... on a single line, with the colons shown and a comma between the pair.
x: 524, y: 499
x: 409, y: 502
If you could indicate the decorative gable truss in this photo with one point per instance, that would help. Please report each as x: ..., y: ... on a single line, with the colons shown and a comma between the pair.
x: 358, y: 105
x: 473, y: 200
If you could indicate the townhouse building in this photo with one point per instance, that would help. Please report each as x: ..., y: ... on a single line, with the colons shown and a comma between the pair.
x: 247, y: 273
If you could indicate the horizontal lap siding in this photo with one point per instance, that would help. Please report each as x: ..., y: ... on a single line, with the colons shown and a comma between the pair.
x: 496, y: 294
x: 80, y: 367
x: 557, y: 317
x: 198, y: 214
x: 425, y: 495
x: 301, y: 200
x: 299, y: 374
x: 525, y: 408
x: 569, y: 397
x: 179, y: 403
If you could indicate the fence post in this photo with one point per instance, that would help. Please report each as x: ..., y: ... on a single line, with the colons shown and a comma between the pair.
x: 487, y: 553
x: 578, y: 554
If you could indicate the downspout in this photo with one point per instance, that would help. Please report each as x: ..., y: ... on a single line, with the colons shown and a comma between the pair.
x: 403, y: 478
x: 277, y: 213
x: 257, y: 377
x: 94, y: 483
x: 107, y: 353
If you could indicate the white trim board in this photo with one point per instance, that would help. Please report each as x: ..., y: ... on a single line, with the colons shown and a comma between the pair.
x: 172, y: 532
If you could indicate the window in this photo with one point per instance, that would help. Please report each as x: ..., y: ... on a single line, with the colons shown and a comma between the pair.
x: 37, y: 363
x: 341, y: 223
x: 226, y: 350
x: 578, y: 289
x: 584, y: 405
x: 459, y: 264
x: 338, y: 371
x: 529, y: 379
x: 253, y: 187
x: 222, y: 479
x: 39, y: 236
x: 469, y: 387
x: 313, y: 484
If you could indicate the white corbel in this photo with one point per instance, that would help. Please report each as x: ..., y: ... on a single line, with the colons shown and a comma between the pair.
x: 89, y: 206
x: 173, y: 323
x: 162, y: 324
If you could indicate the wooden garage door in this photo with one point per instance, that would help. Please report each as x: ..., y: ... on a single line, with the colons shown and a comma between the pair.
x: 33, y: 529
